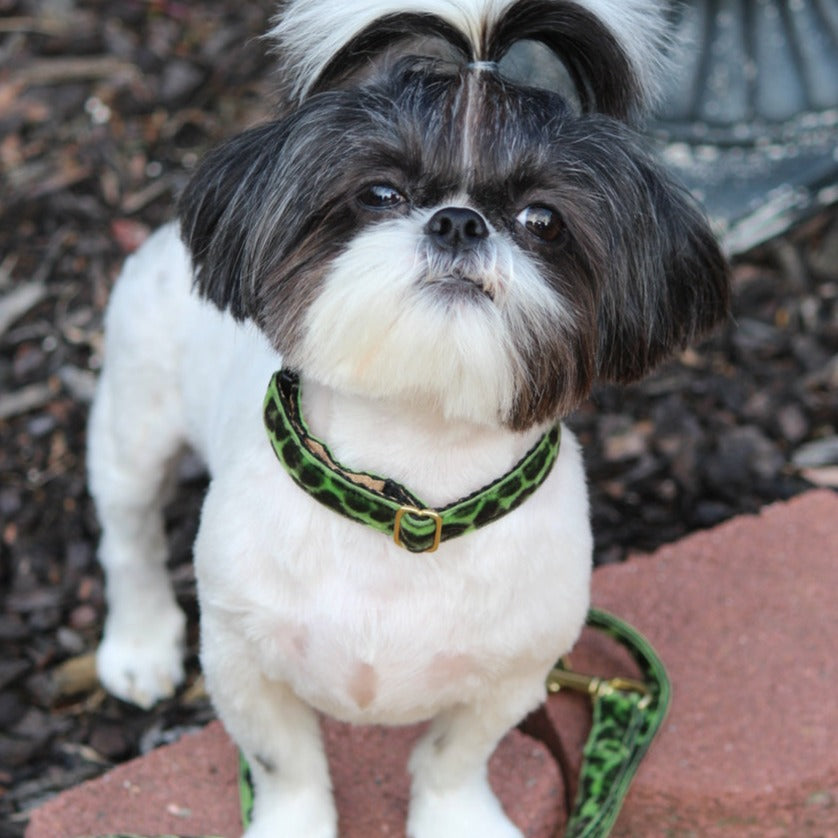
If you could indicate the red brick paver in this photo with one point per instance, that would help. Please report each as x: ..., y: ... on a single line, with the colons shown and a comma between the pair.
x: 746, y: 619
x: 189, y: 788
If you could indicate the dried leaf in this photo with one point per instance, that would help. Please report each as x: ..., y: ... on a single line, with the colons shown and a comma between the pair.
x: 74, y: 676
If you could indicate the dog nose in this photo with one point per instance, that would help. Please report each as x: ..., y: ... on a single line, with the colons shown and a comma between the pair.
x: 457, y: 228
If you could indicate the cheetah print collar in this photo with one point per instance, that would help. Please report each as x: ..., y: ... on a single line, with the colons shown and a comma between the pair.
x: 384, y: 504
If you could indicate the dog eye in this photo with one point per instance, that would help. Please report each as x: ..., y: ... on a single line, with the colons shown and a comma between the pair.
x: 541, y: 221
x: 381, y: 196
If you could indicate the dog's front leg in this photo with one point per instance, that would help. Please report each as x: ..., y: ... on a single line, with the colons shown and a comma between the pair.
x: 135, y: 434
x: 451, y: 796
x: 278, y: 734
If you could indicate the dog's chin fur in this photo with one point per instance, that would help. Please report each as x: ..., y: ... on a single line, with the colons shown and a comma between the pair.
x: 450, y: 258
x: 394, y: 322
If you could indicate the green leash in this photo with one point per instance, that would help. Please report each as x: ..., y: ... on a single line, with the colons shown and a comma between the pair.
x: 626, y: 716
x: 626, y: 713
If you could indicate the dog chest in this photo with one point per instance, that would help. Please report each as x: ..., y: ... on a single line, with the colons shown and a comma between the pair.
x: 370, y: 633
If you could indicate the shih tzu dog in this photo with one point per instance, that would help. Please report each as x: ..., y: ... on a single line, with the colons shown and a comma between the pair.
x: 450, y: 233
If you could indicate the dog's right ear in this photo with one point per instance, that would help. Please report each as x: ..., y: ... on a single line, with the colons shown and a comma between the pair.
x: 217, y: 215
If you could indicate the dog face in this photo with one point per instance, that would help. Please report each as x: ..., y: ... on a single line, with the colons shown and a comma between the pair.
x: 454, y: 238
x: 444, y: 236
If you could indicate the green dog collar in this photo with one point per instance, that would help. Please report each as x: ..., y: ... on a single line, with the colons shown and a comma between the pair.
x: 384, y: 504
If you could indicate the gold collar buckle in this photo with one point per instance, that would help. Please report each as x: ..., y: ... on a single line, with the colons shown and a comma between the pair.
x: 419, y: 513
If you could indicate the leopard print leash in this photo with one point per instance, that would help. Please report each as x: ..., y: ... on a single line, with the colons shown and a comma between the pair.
x: 627, y: 715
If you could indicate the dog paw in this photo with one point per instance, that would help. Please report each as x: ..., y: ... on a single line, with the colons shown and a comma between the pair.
x: 452, y: 814
x: 300, y: 813
x: 143, y: 668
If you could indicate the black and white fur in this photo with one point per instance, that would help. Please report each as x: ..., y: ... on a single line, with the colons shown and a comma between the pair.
x: 450, y: 258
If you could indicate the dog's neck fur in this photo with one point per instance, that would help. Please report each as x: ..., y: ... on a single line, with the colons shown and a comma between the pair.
x: 437, y: 458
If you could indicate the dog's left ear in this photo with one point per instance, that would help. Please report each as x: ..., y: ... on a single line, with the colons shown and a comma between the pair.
x: 667, y: 282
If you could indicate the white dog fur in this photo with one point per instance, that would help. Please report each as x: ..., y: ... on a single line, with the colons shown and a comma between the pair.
x: 300, y: 607
x: 302, y: 610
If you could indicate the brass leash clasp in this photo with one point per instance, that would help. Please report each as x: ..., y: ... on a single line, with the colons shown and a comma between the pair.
x: 563, y: 678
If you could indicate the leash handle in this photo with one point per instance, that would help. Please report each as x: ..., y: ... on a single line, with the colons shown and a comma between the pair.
x: 626, y: 717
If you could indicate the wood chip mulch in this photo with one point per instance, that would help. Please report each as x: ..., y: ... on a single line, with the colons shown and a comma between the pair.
x: 105, y: 107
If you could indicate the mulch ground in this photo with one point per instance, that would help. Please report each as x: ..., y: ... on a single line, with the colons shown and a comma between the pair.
x: 104, y: 109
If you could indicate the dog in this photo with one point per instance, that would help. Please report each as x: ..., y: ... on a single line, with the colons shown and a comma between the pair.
x: 426, y: 261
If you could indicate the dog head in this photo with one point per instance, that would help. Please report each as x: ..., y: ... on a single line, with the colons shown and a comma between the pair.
x: 440, y: 234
